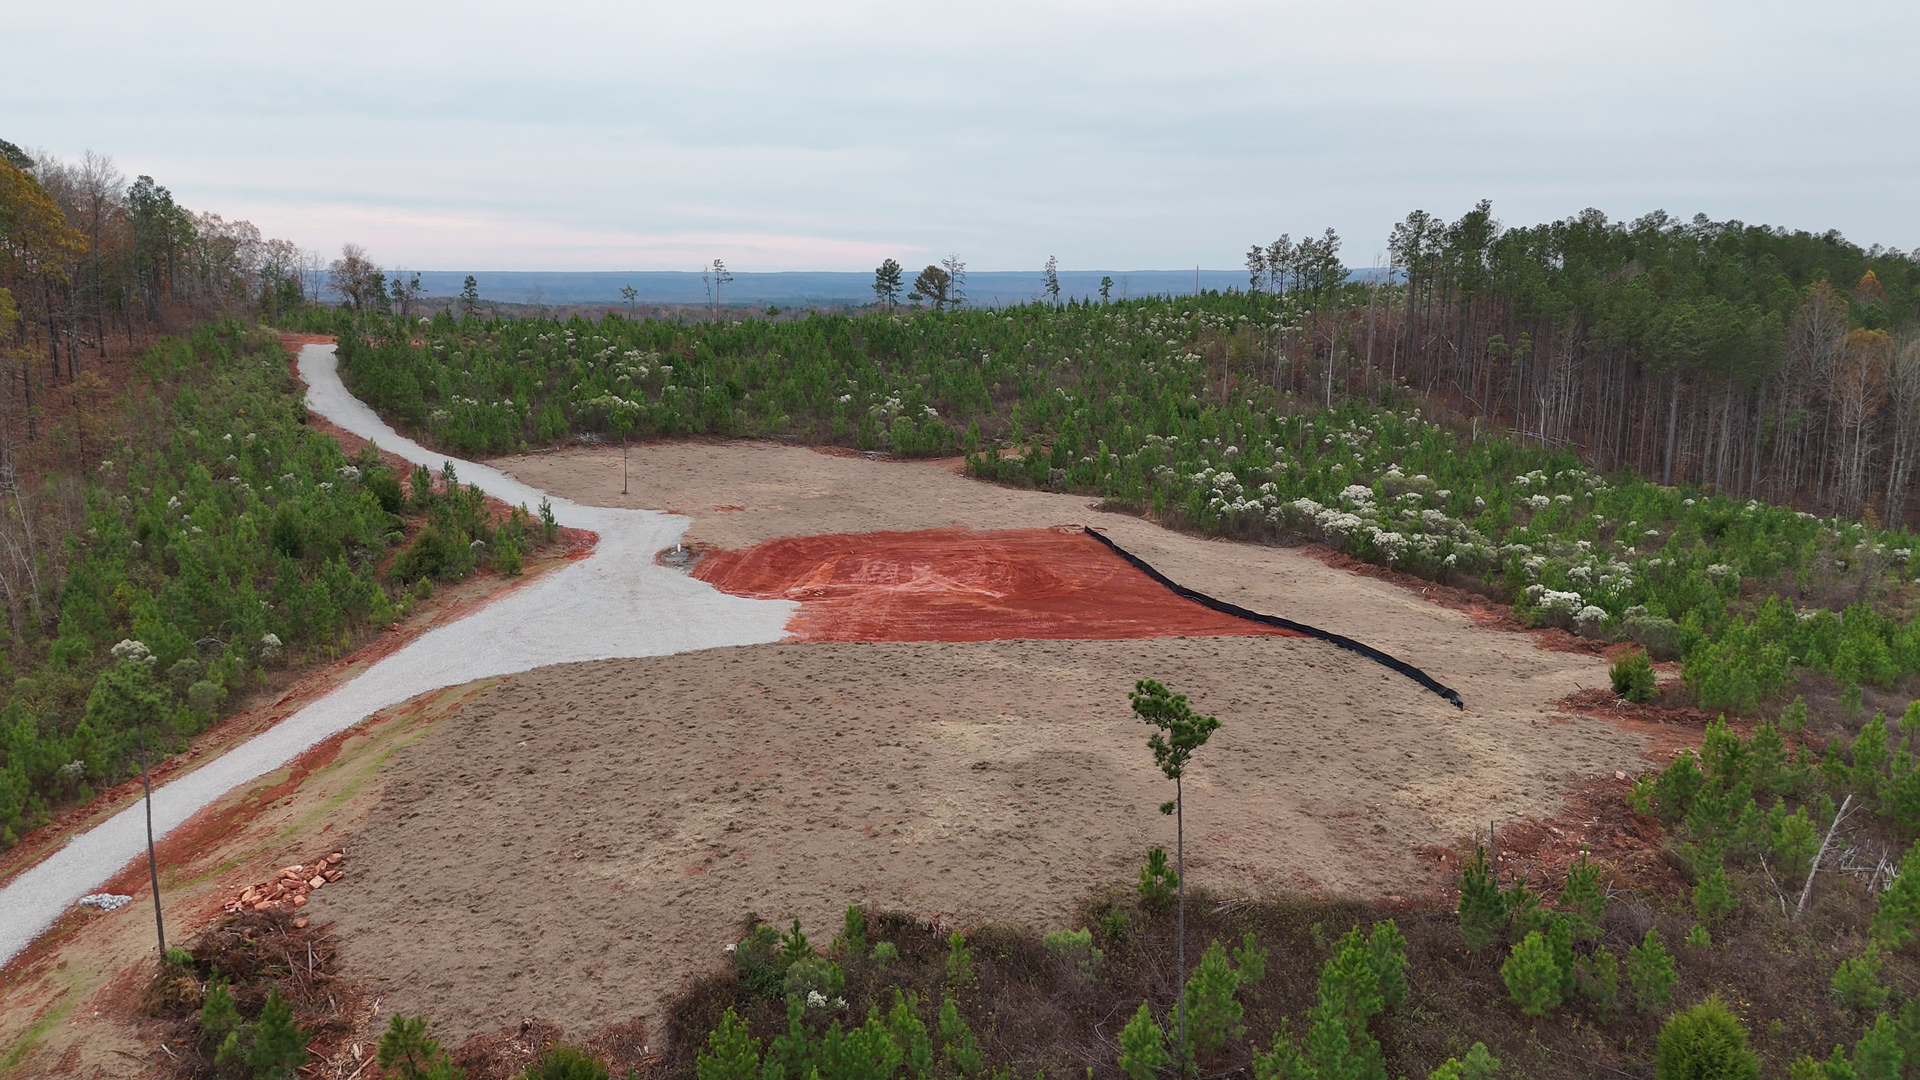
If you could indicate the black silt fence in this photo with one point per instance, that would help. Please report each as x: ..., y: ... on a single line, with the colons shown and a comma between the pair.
x: 1303, y: 629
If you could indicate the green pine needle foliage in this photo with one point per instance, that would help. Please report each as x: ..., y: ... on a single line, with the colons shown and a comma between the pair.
x: 1143, y: 1046
x: 1533, y: 976
x: 1705, y: 1042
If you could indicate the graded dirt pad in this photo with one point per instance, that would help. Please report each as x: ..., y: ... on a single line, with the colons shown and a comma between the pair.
x: 579, y: 840
x: 961, y: 585
x: 743, y: 494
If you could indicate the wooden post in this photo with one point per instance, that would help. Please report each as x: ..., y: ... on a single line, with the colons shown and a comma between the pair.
x: 153, y: 864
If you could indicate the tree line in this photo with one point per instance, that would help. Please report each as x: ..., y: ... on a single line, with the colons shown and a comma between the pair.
x: 90, y: 257
x: 1763, y: 362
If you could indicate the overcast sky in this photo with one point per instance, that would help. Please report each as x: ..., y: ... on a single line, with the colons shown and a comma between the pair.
x: 827, y: 136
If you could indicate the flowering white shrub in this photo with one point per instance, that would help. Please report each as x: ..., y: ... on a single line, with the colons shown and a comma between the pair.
x: 133, y: 651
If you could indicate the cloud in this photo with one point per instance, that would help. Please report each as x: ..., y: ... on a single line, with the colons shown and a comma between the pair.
x: 825, y: 136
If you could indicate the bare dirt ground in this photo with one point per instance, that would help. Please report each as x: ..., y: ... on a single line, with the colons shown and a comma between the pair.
x: 69, y: 1005
x: 578, y: 841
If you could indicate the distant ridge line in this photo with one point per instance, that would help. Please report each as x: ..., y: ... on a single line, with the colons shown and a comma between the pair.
x: 984, y: 288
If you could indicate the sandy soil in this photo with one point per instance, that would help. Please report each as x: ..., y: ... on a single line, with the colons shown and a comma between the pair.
x: 580, y: 840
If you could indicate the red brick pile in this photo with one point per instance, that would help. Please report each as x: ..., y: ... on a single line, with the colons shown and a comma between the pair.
x: 287, y: 891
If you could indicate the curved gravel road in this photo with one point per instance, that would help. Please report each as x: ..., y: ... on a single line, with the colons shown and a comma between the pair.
x: 616, y: 603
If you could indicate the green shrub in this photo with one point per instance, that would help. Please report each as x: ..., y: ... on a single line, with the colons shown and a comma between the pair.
x: 385, y: 488
x: 1856, y: 982
x: 565, y: 1062
x: 1075, y: 948
x: 205, y: 697
x: 884, y: 953
x: 1660, y: 637
x: 1651, y: 973
x: 1143, y: 1046
x: 429, y: 557
x: 1479, y: 1064
x: 760, y: 964
x: 1698, y: 938
x: 1705, y: 1042
x: 1533, y: 975
x: 1633, y: 677
x: 814, y: 975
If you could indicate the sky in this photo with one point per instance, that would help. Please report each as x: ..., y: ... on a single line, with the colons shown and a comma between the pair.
x: 582, y: 135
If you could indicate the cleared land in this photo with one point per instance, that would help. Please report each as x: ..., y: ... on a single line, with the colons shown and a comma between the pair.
x: 579, y: 840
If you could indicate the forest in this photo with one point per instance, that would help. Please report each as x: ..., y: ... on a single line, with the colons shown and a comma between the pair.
x: 173, y: 534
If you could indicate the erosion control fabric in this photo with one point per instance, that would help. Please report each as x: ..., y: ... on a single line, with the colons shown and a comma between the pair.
x: 1303, y: 629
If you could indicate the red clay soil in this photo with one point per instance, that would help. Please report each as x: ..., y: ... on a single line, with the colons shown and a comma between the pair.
x: 962, y: 585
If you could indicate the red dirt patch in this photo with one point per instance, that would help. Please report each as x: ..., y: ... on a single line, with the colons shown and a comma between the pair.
x: 961, y: 585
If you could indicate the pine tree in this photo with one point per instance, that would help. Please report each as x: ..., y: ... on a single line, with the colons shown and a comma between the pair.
x: 957, y: 1044
x: 1584, y: 899
x: 1479, y: 1064
x: 1856, y: 982
x: 406, y: 1049
x: 1877, y: 1055
x: 218, y: 1017
x: 1181, y: 732
x: 732, y: 1053
x: 1597, y: 978
x: 1213, y: 1013
x: 1898, y: 916
x: 1651, y: 973
x: 1483, y: 912
x: 910, y: 1035
x: 1533, y: 975
x: 1387, y: 952
x: 279, y: 1046
x: 1713, y: 897
x: 1705, y: 1042
x: 1143, y: 1046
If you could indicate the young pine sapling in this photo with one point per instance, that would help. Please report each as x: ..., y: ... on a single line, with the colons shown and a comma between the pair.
x: 1182, y: 731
